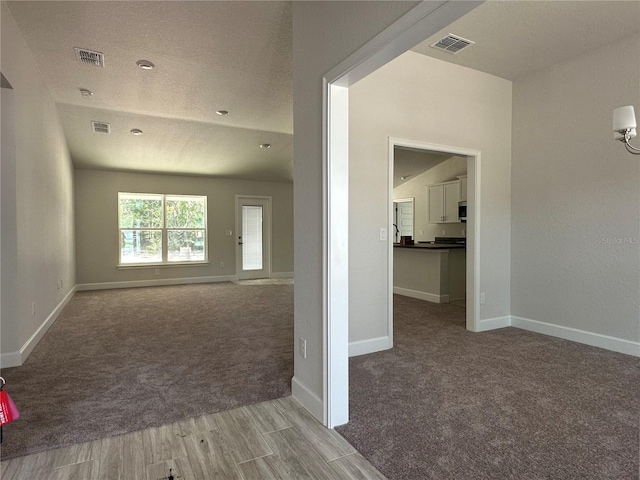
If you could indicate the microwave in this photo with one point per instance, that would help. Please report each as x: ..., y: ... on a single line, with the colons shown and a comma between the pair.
x: 462, y: 211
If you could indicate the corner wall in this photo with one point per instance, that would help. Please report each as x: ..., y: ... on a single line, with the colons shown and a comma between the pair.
x: 324, y: 34
x: 420, y: 98
x: 97, y: 224
x: 42, y: 229
x: 576, y: 197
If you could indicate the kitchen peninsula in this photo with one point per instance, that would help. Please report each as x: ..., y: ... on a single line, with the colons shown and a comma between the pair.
x: 432, y: 271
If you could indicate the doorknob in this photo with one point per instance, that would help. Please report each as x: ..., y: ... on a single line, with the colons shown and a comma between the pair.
x: 240, y: 243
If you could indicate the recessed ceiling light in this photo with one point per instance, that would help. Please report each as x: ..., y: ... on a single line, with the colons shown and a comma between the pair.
x: 222, y: 113
x: 86, y: 93
x: 136, y: 131
x: 264, y: 146
x: 145, y: 64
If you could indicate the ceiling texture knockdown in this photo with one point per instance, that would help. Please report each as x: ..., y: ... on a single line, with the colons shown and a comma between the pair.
x: 237, y: 56
x: 207, y: 56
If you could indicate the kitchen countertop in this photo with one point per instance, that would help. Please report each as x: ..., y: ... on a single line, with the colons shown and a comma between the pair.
x: 431, y: 246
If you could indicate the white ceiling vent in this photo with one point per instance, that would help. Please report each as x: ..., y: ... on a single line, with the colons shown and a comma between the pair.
x: 452, y: 43
x: 90, y: 57
x: 101, y: 127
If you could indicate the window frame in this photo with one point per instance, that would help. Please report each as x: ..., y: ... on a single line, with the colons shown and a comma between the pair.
x: 164, y: 233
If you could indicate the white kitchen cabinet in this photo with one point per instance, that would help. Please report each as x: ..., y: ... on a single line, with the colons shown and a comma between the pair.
x: 463, y: 188
x: 443, y: 202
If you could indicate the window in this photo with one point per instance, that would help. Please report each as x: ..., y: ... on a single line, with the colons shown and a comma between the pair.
x: 162, y: 229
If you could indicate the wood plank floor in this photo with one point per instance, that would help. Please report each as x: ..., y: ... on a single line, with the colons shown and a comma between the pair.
x: 271, y: 440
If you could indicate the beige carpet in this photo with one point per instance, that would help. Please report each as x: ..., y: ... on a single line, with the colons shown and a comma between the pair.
x: 508, y: 404
x: 117, y: 361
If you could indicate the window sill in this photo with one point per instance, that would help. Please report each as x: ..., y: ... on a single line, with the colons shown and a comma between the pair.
x: 128, y: 266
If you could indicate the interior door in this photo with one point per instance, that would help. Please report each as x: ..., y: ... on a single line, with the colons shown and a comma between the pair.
x: 253, y: 237
x: 403, y: 219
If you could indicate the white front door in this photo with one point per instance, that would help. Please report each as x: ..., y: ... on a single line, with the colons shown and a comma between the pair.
x: 253, y: 237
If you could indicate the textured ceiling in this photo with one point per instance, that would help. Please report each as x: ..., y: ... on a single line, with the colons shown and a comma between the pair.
x: 516, y: 38
x: 209, y: 56
x: 237, y: 56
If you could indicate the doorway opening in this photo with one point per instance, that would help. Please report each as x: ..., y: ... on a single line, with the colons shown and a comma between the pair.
x: 440, y: 280
x: 417, y: 25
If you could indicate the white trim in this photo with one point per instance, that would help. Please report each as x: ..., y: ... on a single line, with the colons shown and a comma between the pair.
x: 153, y: 283
x: 581, y: 336
x: 336, y: 258
x: 307, y: 398
x: 429, y: 297
x: 494, y: 323
x: 422, y: 21
x: 281, y: 275
x: 16, y: 359
x: 364, y: 347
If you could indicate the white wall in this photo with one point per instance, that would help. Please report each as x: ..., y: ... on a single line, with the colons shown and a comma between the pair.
x: 423, y: 99
x: 324, y: 34
x: 417, y: 188
x: 576, y: 195
x: 43, y: 199
x: 97, y: 223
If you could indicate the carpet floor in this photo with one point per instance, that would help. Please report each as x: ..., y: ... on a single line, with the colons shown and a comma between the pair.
x: 506, y: 404
x: 117, y: 361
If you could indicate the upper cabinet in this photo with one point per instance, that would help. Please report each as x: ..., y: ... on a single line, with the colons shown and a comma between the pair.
x: 443, y: 202
x: 463, y: 188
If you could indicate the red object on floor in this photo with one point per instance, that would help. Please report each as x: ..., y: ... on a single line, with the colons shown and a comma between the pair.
x: 8, y: 410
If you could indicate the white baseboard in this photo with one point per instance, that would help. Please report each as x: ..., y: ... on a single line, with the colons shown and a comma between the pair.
x: 369, y: 346
x: 153, y: 283
x: 16, y: 359
x: 307, y: 398
x: 429, y: 297
x: 581, y: 336
x: 494, y: 323
x: 281, y: 274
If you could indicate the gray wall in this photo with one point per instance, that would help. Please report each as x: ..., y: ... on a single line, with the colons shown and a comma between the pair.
x: 419, y: 98
x: 576, y: 195
x: 97, y: 223
x: 324, y: 34
x: 37, y: 213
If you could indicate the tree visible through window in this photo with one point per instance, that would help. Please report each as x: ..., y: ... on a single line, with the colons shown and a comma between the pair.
x: 156, y: 228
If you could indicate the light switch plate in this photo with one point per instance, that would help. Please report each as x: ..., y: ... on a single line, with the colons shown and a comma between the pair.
x: 383, y: 234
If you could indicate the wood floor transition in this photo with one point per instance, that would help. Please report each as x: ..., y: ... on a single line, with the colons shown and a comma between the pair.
x: 272, y: 440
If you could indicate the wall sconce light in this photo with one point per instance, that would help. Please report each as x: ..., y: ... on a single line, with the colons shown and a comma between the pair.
x: 624, y: 127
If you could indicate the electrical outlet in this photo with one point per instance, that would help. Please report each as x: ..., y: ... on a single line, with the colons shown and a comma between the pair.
x: 383, y: 234
x: 421, y: 232
x: 482, y: 298
x: 228, y: 233
x: 222, y: 264
x: 302, y: 348
x: 33, y: 308
x: 444, y: 232
x: 157, y: 271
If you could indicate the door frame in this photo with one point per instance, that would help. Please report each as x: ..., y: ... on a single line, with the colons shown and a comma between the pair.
x: 473, y: 224
x: 413, y: 213
x: 424, y: 20
x: 267, y: 219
